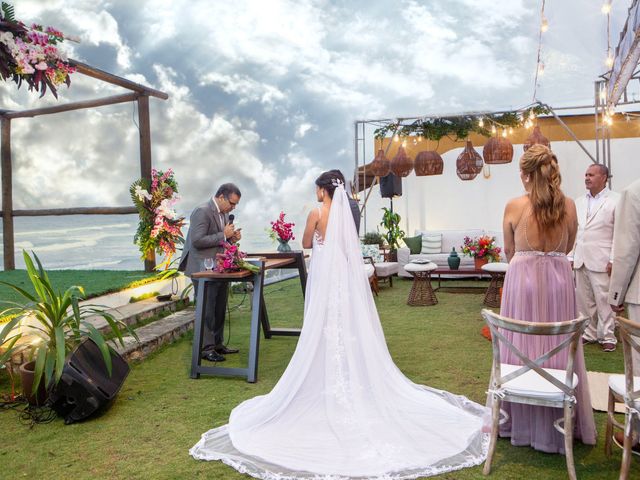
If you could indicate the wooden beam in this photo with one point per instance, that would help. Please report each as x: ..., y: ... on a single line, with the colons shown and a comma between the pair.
x: 43, y: 212
x: 145, y: 158
x: 115, y: 80
x: 99, y: 102
x: 7, y: 195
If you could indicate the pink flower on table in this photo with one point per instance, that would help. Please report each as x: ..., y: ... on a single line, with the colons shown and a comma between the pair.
x: 41, y: 66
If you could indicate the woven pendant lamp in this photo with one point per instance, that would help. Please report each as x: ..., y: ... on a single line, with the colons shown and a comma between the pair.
x: 428, y: 163
x: 380, y: 167
x: 401, y: 164
x: 497, y: 150
x: 536, y: 137
x: 469, y: 163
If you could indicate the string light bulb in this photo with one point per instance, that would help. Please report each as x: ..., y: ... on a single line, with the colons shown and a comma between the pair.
x: 532, y: 116
x: 609, y: 61
x: 396, y: 137
x: 544, y: 25
x: 504, y: 133
x: 541, y: 69
x: 493, y: 129
x: 606, y: 7
x: 510, y: 130
x: 420, y: 138
x: 481, y: 123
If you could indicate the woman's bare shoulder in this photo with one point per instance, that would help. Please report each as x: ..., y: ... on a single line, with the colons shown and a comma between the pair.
x: 517, y: 203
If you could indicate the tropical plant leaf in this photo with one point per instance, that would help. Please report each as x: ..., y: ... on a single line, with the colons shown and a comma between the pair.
x: 41, y: 357
x: 60, y: 353
x: 21, y: 291
x: 97, y: 337
x: 8, y: 13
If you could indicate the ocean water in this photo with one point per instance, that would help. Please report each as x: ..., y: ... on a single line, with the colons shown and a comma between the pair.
x: 84, y: 242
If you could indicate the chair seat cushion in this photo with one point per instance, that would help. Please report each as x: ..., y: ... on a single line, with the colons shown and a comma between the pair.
x: 617, y: 384
x: 495, y: 267
x: 531, y: 384
x: 420, y: 267
x: 368, y: 268
x: 386, y: 269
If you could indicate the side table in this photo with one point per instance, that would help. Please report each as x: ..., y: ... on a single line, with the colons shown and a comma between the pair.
x: 497, y: 270
x: 421, y: 293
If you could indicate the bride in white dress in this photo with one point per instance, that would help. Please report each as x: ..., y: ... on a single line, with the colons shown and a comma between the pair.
x: 342, y: 408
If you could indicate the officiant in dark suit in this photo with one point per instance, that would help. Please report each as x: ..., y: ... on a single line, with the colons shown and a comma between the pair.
x: 209, y: 226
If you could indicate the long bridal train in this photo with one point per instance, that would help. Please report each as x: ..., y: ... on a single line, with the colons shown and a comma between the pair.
x: 342, y: 408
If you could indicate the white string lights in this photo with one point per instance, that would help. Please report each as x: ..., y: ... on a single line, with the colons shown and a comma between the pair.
x: 544, y: 26
x: 606, y: 9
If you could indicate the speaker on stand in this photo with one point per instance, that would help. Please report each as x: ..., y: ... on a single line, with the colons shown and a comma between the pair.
x: 391, y: 186
x: 86, y: 387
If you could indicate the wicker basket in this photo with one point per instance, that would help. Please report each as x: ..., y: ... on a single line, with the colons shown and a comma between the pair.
x: 536, y: 137
x: 380, y: 167
x: 401, y: 165
x: 469, y: 163
x: 497, y: 150
x: 428, y: 163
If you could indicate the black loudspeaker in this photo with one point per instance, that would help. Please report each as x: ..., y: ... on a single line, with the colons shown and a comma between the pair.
x: 391, y: 186
x: 86, y: 387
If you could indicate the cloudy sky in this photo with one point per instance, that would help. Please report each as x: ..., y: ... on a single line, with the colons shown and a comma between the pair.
x: 265, y: 92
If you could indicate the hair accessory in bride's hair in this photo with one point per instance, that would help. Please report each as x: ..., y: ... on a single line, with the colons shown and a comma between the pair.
x: 336, y: 182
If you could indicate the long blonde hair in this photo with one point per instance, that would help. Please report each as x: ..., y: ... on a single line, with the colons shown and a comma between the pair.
x: 547, y: 199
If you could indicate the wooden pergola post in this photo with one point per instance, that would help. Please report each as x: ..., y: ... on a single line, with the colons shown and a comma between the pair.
x: 7, y: 196
x: 145, y: 159
x: 139, y: 93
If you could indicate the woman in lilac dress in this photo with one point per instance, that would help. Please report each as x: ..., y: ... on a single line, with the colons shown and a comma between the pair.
x: 539, y: 229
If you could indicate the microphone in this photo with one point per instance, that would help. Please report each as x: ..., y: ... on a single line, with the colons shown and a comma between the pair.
x: 231, y: 218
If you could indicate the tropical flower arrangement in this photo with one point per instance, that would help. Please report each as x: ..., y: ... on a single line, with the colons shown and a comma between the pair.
x: 232, y: 259
x: 160, y: 227
x: 481, y: 247
x: 281, y: 230
x: 30, y: 54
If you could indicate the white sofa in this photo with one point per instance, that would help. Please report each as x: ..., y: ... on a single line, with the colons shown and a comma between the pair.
x: 450, y: 239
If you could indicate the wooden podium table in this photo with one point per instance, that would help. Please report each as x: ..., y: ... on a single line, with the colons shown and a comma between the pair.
x: 258, y: 310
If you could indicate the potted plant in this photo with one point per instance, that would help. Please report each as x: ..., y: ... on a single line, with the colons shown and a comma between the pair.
x: 483, y: 249
x: 60, y: 322
x: 391, y: 221
x: 373, y: 238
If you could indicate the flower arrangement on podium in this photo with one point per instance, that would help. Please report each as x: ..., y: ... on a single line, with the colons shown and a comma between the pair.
x: 160, y: 227
x: 232, y: 259
x: 482, y: 249
x: 282, y: 232
x: 30, y: 54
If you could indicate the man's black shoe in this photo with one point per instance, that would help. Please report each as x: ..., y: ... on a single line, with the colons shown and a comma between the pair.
x: 223, y: 350
x: 213, y: 357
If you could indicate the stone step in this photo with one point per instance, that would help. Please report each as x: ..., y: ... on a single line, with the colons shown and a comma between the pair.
x: 159, y: 332
x: 133, y: 313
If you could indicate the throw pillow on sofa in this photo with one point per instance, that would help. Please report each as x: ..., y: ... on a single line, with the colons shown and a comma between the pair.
x: 372, y: 251
x: 414, y: 244
x: 431, y: 243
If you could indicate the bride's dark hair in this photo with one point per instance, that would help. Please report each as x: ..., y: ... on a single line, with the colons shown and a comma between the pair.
x: 328, y: 181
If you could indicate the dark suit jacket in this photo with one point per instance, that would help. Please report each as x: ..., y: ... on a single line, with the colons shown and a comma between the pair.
x: 355, y: 211
x: 203, y: 239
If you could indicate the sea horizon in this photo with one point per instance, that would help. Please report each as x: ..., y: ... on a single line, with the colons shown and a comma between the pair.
x: 95, y: 242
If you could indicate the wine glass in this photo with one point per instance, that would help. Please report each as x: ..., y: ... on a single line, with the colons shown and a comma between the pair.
x: 208, y: 263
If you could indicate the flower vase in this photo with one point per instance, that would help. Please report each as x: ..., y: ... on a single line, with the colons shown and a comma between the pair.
x: 283, y: 246
x: 453, y: 260
x: 479, y: 262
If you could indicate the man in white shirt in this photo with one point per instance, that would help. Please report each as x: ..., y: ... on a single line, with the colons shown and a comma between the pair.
x: 625, y: 276
x: 593, y: 256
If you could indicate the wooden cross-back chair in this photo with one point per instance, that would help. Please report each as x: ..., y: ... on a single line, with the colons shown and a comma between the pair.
x: 625, y: 389
x: 530, y: 383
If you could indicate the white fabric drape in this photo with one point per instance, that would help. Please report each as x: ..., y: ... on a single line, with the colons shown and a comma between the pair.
x: 342, y: 408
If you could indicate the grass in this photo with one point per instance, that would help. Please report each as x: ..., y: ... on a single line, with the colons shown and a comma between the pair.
x: 94, y: 282
x: 161, y: 413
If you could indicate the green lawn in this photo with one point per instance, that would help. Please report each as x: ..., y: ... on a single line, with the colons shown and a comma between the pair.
x: 94, y: 282
x: 161, y: 413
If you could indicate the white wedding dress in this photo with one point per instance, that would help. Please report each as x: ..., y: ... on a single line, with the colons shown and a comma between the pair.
x: 342, y: 408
